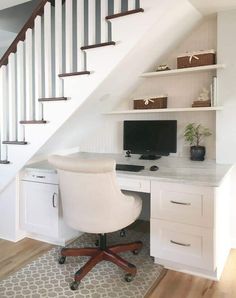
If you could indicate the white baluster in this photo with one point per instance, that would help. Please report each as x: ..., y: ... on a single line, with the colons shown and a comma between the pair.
x: 38, y: 67
x: 48, y: 50
x: 28, y: 74
x: 104, y: 23
x: 3, y: 110
x: 92, y: 22
x: 131, y: 4
x: 69, y: 36
x: 12, y: 97
x: 80, y: 35
x: 58, y: 47
x: 20, y: 91
x: 117, y: 6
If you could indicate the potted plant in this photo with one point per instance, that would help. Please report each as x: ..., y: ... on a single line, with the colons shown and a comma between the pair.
x: 194, y: 134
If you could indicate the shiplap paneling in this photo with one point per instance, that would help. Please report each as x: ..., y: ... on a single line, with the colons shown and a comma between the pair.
x: 181, y: 90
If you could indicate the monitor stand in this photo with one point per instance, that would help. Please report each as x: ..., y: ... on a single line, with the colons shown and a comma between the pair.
x: 150, y: 157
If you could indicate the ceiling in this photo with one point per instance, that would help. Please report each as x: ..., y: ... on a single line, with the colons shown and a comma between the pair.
x: 9, y: 3
x: 212, y: 6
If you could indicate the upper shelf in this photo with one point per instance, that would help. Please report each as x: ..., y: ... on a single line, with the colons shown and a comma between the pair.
x: 182, y: 71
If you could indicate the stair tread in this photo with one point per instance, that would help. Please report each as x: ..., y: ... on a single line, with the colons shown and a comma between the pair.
x: 52, y: 99
x: 98, y: 45
x: 4, y: 162
x: 14, y: 143
x: 33, y: 122
x: 125, y: 13
x: 76, y: 73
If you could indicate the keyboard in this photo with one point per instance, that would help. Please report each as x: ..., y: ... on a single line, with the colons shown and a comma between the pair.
x: 129, y: 168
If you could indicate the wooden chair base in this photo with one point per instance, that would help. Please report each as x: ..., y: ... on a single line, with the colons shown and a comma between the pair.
x: 101, y: 253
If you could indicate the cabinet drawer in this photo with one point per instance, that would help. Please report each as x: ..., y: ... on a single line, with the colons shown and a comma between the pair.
x: 134, y: 184
x: 41, y: 177
x: 188, y: 245
x: 183, y: 203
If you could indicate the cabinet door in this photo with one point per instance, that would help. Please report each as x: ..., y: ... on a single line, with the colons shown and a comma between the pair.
x: 40, y: 208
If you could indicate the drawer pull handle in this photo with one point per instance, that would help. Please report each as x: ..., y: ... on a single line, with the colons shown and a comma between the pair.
x: 41, y: 177
x: 53, y: 200
x: 180, y: 203
x: 181, y: 244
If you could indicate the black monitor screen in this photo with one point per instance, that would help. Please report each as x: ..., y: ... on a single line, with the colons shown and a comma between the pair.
x: 150, y: 137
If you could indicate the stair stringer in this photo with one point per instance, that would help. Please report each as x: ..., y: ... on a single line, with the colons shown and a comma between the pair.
x: 133, y: 39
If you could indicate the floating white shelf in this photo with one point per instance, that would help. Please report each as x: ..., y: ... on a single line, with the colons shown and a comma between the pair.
x: 168, y: 110
x: 182, y: 71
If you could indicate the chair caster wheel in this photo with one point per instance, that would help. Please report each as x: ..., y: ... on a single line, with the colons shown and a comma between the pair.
x: 62, y: 260
x: 129, y: 277
x: 74, y: 285
x: 122, y: 233
x: 96, y: 243
x: 135, y: 252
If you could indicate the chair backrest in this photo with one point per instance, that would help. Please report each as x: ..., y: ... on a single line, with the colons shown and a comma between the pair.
x: 89, y: 191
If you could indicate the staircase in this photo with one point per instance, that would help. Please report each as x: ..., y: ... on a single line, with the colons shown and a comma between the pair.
x: 66, y: 52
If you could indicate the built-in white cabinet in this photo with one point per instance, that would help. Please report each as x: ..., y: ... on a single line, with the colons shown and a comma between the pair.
x: 189, y: 229
x: 41, y: 210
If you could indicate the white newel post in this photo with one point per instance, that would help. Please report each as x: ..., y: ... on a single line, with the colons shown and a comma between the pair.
x: 29, y: 74
x: 3, y: 111
x: 12, y: 97
x: 92, y: 22
x: 69, y: 36
x: 80, y: 35
x: 48, y: 50
x: 38, y: 67
x: 58, y: 48
x: 117, y: 6
x: 104, y: 23
x: 20, y: 91
x: 131, y: 4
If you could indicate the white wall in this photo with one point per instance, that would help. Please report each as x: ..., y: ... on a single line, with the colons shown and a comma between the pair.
x: 181, y: 90
x: 226, y: 119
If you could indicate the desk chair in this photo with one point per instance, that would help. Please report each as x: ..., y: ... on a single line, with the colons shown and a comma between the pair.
x: 93, y: 203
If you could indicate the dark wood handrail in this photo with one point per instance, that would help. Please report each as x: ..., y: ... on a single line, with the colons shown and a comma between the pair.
x: 21, y: 36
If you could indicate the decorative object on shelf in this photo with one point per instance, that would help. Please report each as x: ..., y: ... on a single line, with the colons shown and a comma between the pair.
x: 214, y: 93
x: 203, y: 99
x: 159, y: 102
x: 162, y: 67
x: 194, y: 59
x: 128, y: 153
x: 194, y: 135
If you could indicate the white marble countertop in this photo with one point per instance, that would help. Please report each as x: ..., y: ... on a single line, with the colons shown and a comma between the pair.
x: 171, y: 169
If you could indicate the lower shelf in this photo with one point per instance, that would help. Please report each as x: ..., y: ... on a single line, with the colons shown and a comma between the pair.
x: 168, y: 110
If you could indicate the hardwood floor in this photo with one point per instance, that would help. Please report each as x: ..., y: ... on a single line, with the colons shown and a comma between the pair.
x: 13, y: 256
x: 179, y: 285
x: 173, y: 285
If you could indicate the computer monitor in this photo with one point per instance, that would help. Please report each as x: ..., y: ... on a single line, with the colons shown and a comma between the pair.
x: 152, y: 139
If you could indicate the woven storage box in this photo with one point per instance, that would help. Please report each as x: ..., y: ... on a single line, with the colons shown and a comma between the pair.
x: 201, y: 103
x: 151, y: 103
x: 194, y: 59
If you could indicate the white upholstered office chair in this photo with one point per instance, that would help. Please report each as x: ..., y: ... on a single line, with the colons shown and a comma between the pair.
x: 93, y: 203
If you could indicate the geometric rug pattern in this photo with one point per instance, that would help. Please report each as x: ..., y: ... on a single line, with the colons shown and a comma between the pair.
x: 44, y: 277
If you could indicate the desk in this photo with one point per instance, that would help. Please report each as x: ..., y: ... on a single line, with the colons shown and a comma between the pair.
x: 189, y: 208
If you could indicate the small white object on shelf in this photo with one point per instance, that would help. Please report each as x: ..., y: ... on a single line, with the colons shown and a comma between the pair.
x: 182, y: 71
x: 204, y: 95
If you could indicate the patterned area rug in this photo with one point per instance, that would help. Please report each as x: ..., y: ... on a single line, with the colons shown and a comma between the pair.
x: 44, y: 277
